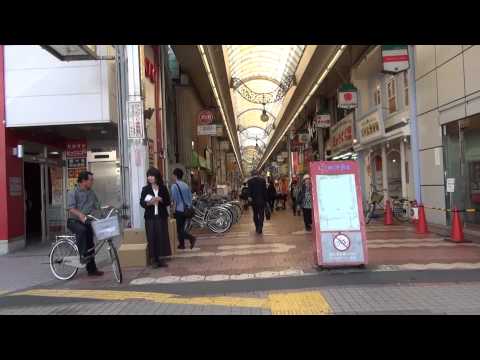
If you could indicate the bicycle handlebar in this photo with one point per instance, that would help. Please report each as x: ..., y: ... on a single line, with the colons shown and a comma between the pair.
x: 112, y: 210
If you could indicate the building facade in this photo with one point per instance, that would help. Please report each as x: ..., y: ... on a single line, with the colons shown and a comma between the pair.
x: 448, y: 108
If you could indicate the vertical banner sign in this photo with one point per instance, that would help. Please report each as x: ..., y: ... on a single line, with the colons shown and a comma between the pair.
x: 76, y: 161
x: 151, y: 153
x: 395, y: 58
x: 340, y: 237
x: 347, y: 96
x: 136, y: 127
x: 295, y: 162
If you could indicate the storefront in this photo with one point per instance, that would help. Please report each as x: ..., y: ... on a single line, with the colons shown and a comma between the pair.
x: 50, y: 141
x: 384, y: 149
x: 461, y: 140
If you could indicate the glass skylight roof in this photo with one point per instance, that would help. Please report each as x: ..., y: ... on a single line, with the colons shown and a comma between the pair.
x: 261, y: 68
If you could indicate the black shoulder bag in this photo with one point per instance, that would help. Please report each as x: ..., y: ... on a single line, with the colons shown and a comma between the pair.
x: 188, y: 212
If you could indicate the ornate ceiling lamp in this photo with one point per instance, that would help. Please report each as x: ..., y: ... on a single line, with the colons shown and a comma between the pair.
x: 264, y: 98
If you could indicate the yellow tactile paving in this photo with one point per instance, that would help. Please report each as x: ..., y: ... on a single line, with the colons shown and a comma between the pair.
x: 98, y: 294
x: 296, y: 303
x: 300, y: 303
x: 149, y: 296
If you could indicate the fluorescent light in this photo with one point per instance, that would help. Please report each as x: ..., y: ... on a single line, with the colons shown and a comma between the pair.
x: 312, y: 91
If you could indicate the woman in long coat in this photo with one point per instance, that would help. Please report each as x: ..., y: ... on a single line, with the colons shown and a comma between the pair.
x: 155, y: 199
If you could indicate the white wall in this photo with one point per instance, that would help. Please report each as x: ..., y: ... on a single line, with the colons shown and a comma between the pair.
x: 42, y: 90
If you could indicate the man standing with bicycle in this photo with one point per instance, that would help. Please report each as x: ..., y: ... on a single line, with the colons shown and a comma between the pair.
x: 81, y: 203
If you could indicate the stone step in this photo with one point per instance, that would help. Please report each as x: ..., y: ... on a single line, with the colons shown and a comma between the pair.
x: 133, y: 255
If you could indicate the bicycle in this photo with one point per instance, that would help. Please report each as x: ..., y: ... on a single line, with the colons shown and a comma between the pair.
x: 64, y: 258
x: 400, y: 206
x: 217, y: 217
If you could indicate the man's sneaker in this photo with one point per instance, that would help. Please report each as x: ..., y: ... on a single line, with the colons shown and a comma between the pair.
x: 96, y: 273
x: 181, y: 247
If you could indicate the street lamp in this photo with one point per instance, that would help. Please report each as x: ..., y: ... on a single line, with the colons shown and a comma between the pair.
x: 72, y: 52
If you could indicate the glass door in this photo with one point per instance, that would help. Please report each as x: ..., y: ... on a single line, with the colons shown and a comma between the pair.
x: 470, y: 133
x: 462, y: 162
x: 453, y: 165
x: 56, y: 215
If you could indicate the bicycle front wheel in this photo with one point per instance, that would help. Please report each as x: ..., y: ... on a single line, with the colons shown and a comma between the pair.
x: 62, y: 269
x: 117, y: 270
x: 401, y: 212
x: 370, y: 213
x: 219, y: 220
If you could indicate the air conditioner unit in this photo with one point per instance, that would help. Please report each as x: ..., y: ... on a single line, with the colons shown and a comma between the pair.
x: 103, y: 156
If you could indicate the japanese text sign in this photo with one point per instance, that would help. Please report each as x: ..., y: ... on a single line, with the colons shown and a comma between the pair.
x: 340, y: 237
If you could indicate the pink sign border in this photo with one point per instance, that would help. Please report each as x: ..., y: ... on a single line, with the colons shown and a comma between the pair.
x: 346, y: 167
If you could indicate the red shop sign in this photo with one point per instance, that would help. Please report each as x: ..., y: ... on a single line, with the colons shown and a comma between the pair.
x: 76, y: 149
x: 150, y: 71
x: 205, y: 117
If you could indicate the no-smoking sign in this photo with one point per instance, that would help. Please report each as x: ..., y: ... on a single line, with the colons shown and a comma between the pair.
x: 341, y: 242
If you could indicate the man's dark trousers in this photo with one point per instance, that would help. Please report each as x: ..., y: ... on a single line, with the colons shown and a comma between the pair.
x: 85, y: 243
x: 182, y: 234
x: 258, y: 216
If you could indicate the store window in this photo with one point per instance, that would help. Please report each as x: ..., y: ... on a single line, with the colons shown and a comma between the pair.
x: 392, y: 96
x: 405, y: 88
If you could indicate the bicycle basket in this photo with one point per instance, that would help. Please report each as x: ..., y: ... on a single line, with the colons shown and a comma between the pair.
x: 106, y: 228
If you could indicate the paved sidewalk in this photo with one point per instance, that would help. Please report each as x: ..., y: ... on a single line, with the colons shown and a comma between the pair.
x: 425, y: 299
x: 25, y: 268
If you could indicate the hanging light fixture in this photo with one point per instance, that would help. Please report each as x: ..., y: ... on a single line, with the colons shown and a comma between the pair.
x: 264, y: 117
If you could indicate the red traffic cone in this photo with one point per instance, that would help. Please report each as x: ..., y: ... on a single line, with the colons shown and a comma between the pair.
x: 422, y: 227
x: 456, y: 234
x: 388, y: 220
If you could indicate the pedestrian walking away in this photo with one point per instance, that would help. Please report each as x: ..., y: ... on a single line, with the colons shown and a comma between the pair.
x: 271, y: 195
x: 284, y: 192
x: 155, y: 199
x: 182, y: 203
x: 82, y: 201
x: 305, y: 202
x: 257, y: 187
x: 244, y: 195
x: 294, y: 190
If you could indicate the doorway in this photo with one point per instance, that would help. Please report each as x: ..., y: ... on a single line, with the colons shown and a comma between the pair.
x: 33, y: 202
x: 462, y: 162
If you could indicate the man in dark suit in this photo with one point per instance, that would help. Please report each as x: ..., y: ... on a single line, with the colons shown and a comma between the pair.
x: 257, y: 188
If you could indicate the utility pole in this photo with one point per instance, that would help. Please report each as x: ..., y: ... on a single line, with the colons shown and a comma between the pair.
x: 412, y: 100
x: 133, y: 149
